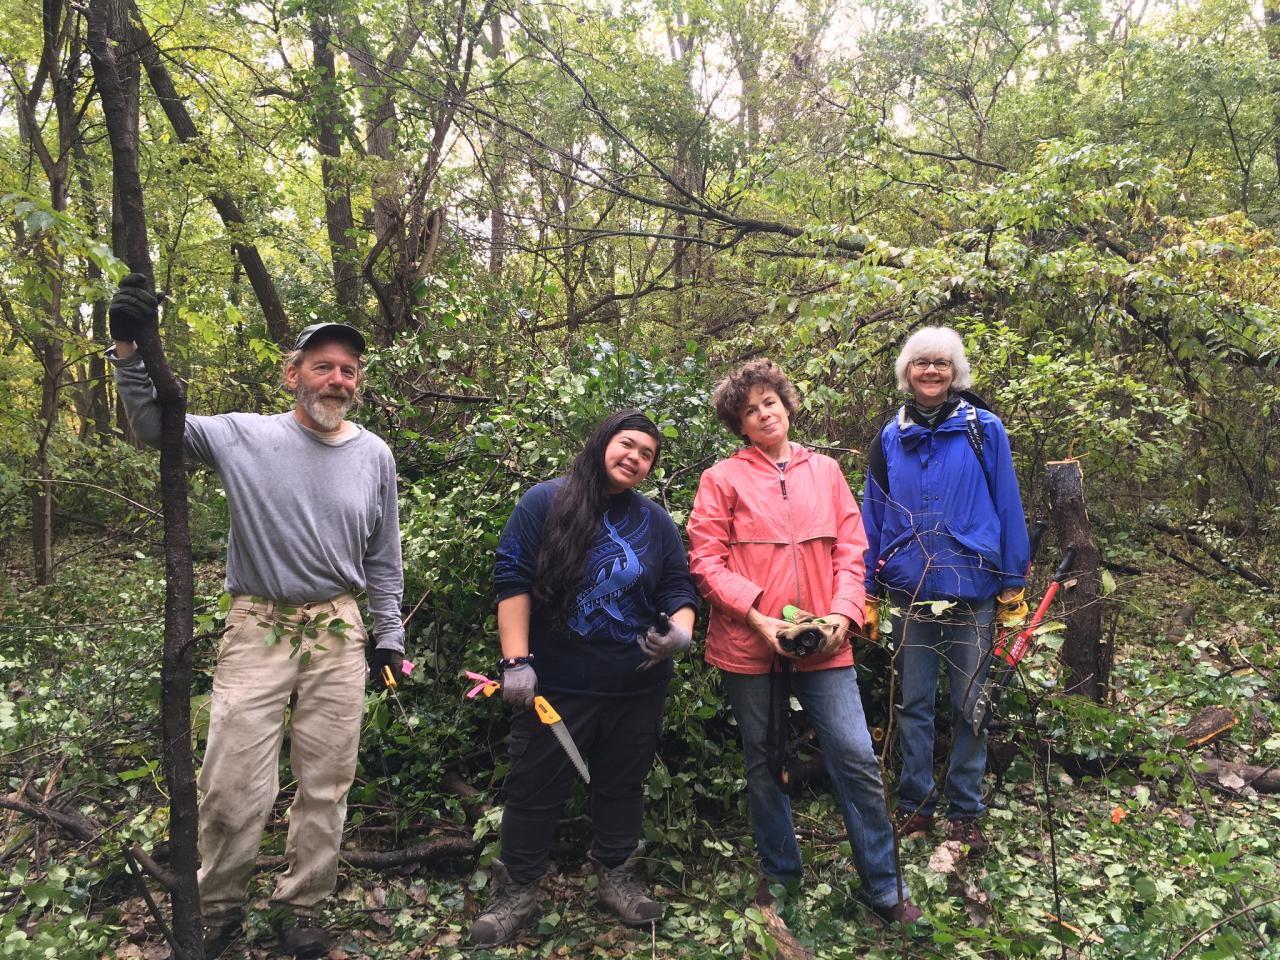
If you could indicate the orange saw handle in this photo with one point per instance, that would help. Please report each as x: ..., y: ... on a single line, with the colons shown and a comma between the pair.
x: 546, y: 713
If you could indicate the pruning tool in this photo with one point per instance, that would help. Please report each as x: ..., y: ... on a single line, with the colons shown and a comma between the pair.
x: 663, y: 624
x: 1009, y: 655
x: 389, y: 681
x: 546, y: 713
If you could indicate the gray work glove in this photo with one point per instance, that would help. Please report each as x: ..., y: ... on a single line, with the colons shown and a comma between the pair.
x: 519, y: 684
x: 134, y: 309
x: 659, y: 644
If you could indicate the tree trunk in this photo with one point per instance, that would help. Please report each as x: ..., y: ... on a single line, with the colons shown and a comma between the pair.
x: 498, y: 168
x: 94, y: 404
x: 59, y: 71
x: 327, y: 107
x: 175, y: 670
x: 1083, y: 650
x: 49, y: 354
x: 378, y: 101
x: 1271, y: 36
x: 278, y: 327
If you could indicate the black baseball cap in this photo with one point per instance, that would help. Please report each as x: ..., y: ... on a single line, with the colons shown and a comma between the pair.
x: 336, y: 331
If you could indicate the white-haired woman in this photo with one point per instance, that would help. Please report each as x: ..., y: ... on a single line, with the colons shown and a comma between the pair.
x: 944, y: 522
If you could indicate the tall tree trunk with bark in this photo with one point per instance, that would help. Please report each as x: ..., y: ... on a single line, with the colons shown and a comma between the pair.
x: 326, y: 105
x: 175, y: 670
x: 94, y: 404
x: 1271, y: 36
x: 498, y: 163
x: 58, y: 70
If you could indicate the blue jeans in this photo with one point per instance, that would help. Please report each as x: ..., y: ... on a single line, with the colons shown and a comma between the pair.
x: 833, y: 707
x: 961, y: 637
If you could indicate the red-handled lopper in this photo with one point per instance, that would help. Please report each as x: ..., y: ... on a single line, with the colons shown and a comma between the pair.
x: 1009, y: 656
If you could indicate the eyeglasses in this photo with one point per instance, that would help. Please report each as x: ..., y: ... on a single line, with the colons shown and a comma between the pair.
x: 920, y: 363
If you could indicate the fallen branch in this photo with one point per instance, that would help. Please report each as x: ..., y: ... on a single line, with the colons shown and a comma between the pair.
x: 472, y: 801
x: 1208, y: 725
x: 785, y: 943
x: 437, y: 848
x: 71, y: 825
x: 78, y: 827
x: 1221, y: 923
x: 1262, y: 779
x: 1236, y: 567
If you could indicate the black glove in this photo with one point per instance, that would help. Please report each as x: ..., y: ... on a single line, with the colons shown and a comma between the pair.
x: 519, y: 684
x: 384, y: 657
x: 134, y: 310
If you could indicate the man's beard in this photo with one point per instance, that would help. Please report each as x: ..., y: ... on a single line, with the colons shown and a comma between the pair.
x: 328, y: 411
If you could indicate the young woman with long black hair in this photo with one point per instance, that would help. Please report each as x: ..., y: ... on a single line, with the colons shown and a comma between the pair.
x: 594, y: 598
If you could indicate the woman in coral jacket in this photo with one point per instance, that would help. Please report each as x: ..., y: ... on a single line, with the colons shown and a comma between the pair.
x: 776, y: 525
x: 947, y: 542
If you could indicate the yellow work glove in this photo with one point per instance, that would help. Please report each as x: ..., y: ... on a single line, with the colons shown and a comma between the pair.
x: 1011, y: 607
x: 871, y: 620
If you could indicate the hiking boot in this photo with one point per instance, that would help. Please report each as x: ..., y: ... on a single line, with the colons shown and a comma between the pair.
x: 301, y: 935
x: 912, y: 824
x: 903, y: 914
x: 622, y: 892
x: 764, y: 896
x: 220, y: 933
x: 513, y: 907
x: 970, y: 834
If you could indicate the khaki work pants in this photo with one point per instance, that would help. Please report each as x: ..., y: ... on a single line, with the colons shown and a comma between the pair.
x: 253, y: 684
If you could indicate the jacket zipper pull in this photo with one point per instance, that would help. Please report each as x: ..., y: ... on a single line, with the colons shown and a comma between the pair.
x: 782, y: 481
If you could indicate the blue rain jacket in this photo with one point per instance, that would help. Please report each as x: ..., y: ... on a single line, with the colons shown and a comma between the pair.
x: 946, y: 529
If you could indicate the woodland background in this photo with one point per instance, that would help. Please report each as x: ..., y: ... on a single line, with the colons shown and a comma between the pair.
x: 542, y: 211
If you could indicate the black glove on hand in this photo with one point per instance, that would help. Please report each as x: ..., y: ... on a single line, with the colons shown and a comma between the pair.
x: 134, y: 310
x: 519, y: 684
x: 384, y: 657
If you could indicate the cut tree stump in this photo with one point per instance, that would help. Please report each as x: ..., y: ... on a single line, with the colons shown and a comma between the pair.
x: 1083, y: 651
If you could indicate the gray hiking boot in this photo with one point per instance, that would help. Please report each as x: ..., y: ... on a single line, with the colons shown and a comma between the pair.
x: 622, y: 892
x: 513, y: 907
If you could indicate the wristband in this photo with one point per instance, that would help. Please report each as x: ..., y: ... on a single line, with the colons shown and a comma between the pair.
x: 505, y: 663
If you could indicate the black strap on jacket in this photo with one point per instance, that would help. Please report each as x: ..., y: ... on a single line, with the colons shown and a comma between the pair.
x: 879, y: 467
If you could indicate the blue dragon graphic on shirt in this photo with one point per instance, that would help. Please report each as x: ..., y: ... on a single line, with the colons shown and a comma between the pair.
x: 607, y: 607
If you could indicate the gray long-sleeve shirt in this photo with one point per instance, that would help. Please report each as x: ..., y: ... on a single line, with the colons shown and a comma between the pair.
x: 309, y: 519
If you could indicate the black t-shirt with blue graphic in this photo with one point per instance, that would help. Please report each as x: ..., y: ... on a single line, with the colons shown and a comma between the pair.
x: 636, y: 568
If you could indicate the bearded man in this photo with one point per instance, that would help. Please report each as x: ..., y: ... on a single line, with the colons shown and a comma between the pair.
x: 312, y: 500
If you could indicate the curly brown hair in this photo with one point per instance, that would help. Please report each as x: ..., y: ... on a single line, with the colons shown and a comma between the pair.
x: 731, y: 393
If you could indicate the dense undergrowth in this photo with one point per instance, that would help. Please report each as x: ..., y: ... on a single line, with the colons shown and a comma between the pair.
x: 1108, y: 841
x: 1147, y: 856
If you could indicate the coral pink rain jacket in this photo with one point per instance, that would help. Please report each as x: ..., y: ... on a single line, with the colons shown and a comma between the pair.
x: 764, y: 539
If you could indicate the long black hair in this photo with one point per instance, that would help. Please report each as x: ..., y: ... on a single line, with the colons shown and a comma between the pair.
x: 574, y: 520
